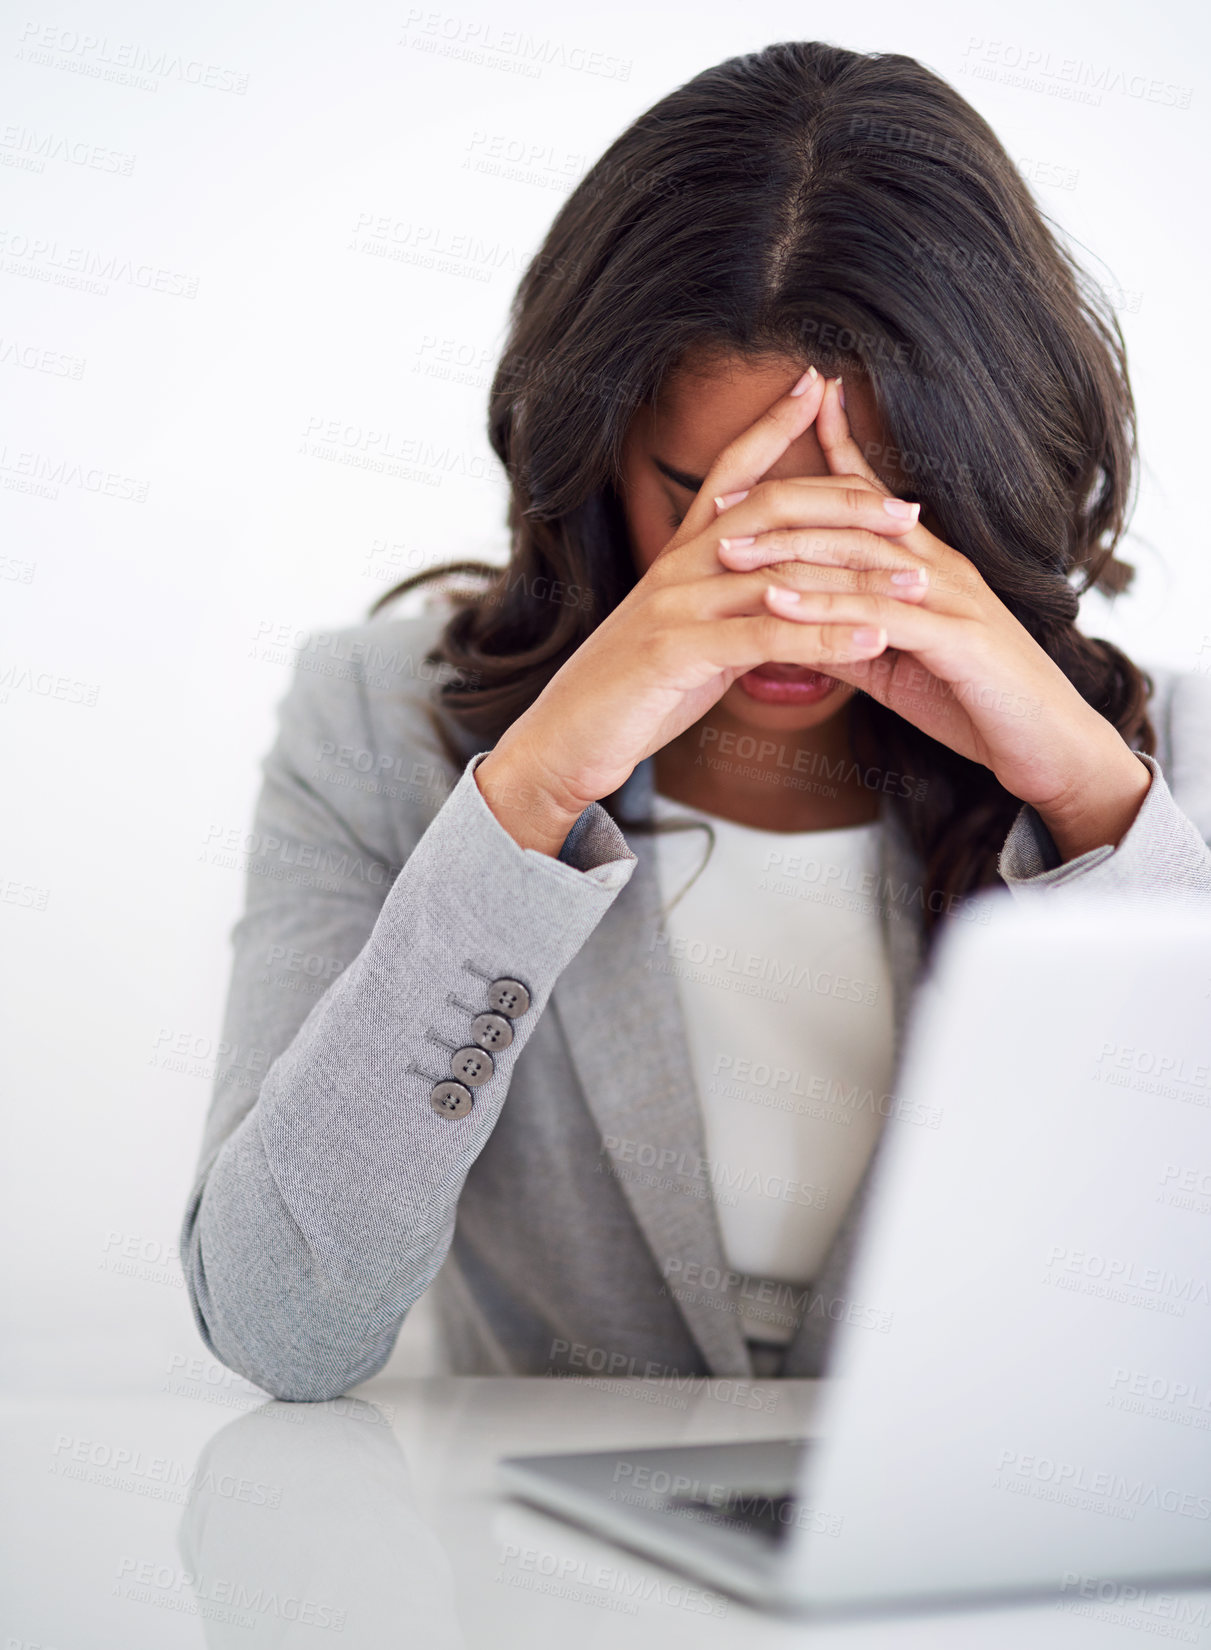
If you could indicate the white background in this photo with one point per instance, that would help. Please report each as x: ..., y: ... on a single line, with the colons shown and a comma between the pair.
x: 176, y: 614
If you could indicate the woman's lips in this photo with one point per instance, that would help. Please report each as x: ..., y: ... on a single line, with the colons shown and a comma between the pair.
x: 782, y: 684
x: 778, y: 672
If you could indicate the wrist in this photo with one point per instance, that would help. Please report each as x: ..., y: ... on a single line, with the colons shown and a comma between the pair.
x: 1100, y: 809
x: 523, y: 804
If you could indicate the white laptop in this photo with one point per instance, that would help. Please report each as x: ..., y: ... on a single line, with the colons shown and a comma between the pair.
x: 1038, y: 1419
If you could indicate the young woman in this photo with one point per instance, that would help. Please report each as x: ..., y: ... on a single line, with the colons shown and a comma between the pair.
x: 815, y: 434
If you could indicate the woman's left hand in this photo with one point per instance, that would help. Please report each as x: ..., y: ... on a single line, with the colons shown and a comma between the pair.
x: 957, y: 664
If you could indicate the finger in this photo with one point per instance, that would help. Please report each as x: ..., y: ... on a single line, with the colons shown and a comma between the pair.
x: 899, y: 681
x: 791, y: 502
x: 844, y: 457
x: 949, y: 580
x: 906, y: 626
x: 745, y: 460
x: 841, y: 452
x: 796, y: 598
x: 901, y: 584
x: 823, y: 546
x: 756, y: 638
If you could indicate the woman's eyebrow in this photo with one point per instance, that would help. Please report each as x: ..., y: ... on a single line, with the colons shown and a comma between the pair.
x: 692, y: 484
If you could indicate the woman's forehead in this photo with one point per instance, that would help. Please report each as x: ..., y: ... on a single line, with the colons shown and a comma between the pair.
x: 710, y: 398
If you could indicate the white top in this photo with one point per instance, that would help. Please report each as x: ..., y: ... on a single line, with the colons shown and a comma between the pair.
x: 785, y: 988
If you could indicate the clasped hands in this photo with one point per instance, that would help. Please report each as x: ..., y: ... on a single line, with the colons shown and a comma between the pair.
x: 953, y: 660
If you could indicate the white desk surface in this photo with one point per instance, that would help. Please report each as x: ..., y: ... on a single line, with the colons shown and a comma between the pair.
x: 375, y: 1521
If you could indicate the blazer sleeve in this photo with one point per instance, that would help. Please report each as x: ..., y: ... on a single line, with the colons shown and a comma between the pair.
x: 1165, y: 850
x: 327, y: 1186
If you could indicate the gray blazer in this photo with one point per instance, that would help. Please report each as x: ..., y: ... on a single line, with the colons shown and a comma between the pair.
x: 383, y: 900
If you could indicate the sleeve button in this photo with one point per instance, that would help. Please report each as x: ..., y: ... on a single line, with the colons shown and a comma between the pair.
x: 451, y: 1099
x: 509, y: 997
x: 472, y: 1066
x: 492, y: 1031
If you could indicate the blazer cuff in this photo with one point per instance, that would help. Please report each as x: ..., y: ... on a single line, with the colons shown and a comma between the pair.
x: 595, y: 844
x: 1161, y: 852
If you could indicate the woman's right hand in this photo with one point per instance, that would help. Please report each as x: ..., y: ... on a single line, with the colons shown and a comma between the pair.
x: 684, y: 633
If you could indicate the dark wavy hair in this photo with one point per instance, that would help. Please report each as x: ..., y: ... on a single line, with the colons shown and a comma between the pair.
x: 852, y: 211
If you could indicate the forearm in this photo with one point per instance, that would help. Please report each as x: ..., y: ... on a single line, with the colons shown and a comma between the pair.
x: 327, y: 1210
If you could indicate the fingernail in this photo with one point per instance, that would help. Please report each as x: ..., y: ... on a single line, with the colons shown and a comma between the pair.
x: 780, y: 593
x: 809, y: 377
x: 734, y: 544
x: 867, y: 636
x: 902, y: 511
x: 724, y: 501
x: 910, y: 575
x: 840, y: 392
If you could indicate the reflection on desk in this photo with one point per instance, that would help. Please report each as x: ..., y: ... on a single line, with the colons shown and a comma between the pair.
x: 297, y: 1530
x: 376, y: 1520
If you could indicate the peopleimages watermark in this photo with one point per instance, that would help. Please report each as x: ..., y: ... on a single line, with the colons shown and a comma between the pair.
x: 803, y: 877
x: 29, y: 150
x: 474, y: 40
x: 208, y: 1382
x: 39, y: 358
x: 895, y: 135
x: 792, y: 758
x: 1114, y: 1494
x: 384, y: 451
x: 158, y: 1477
x: 123, y: 61
x: 712, y: 963
x: 607, y: 1586
x: 45, y: 684
x: 86, y: 268
x: 225, y: 1599
x: 1185, y: 1186
x: 459, y: 253
x: 1050, y: 173
x: 23, y: 470
x: 938, y: 473
x: 13, y: 891
x: 612, y: 1364
x: 195, y: 1054
x: 1128, y: 1604
x: 336, y: 653
x: 1154, y: 1071
x: 1117, y: 1278
x: 782, y: 1088
x: 151, y: 1260
x: 726, y: 1288
x: 1184, y: 1403
x: 518, y: 160
x: 1035, y: 68
x: 288, y: 968
x: 645, y: 1485
x: 722, y: 1176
